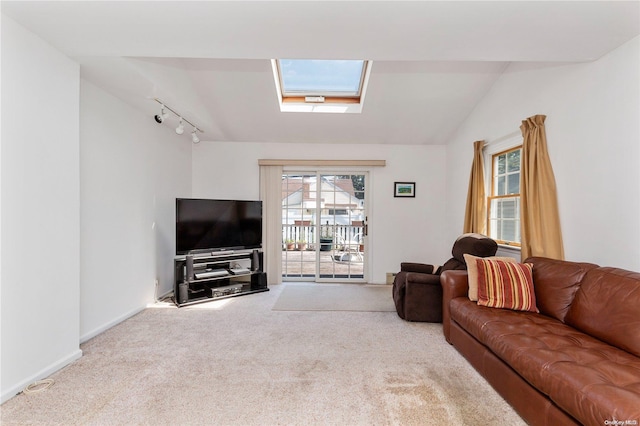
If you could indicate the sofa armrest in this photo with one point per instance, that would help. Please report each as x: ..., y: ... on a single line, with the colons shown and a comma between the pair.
x: 454, y: 284
x: 423, y: 297
x: 421, y: 268
x: 422, y: 279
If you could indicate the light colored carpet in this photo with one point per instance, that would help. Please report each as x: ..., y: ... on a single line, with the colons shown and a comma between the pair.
x: 335, y: 297
x: 238, y: 362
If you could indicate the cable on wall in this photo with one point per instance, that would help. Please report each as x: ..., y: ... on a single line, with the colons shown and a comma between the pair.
x: 181, y: 120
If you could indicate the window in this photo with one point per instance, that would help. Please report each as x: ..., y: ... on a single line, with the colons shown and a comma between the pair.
x: 504, y: 201
x: 314, y: 85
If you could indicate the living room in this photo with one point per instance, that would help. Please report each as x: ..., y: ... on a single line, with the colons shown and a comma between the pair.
x: 89, y: 179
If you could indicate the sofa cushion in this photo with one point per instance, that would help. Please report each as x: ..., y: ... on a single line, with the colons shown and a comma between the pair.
x: 472, y: 270
x: 556, y: 284
x: 478, y: 320
x: 586, y: 377
x: 507, y: 285
x: 607, y: 307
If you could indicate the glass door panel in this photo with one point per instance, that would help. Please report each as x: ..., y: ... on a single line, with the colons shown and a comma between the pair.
x: 342, y: 211
x: 298, y: 229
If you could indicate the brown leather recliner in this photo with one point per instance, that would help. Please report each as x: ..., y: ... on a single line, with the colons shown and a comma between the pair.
x: 417, y: 292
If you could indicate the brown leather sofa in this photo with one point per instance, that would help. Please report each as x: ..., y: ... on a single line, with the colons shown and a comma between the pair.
x: 417, y: 292
x: 575, y: 362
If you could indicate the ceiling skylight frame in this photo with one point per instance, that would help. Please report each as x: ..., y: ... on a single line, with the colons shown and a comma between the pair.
x: 321, y: 100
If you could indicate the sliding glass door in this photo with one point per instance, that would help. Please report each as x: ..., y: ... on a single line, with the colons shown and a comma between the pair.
x: 324, y: 226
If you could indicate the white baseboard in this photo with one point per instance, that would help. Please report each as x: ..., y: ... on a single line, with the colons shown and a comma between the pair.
x: 93, y: 333
x: 46, y: 372
x: 42, y: 374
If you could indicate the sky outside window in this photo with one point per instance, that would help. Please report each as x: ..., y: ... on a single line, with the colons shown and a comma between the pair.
x: 319, y: 77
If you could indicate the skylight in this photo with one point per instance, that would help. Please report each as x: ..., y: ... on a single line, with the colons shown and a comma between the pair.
x: 315, y: 85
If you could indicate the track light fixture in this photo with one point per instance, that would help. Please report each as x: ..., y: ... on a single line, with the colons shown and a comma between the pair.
x: 180, y: 128
x: 163, y: 114
x: 160, y: 118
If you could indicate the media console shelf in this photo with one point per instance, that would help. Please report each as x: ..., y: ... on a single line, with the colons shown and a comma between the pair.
x: 202, y: 278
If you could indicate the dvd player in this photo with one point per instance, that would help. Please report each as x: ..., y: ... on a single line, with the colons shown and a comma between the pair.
x: 214, y: 273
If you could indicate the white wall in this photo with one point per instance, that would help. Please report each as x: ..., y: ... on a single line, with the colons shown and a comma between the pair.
x: 172, y: 154
x: 401, y: 229
x: 40, y: 209
x: 593, y: 137
x: 131, y: 171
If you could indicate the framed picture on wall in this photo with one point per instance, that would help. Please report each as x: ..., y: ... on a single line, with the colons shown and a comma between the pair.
x: 404, y: 189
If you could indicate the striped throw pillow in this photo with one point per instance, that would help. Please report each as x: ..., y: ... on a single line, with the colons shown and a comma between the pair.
x: 506, y: 285
x: 472, y: 272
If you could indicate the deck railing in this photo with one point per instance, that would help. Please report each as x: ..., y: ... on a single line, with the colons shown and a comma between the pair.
x: 330, y: 236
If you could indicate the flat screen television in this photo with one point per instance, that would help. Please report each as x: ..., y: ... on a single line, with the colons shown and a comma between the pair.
x: 217, y: 225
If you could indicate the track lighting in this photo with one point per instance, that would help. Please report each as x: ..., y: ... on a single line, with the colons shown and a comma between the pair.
x: 163, y: 114
x: 180, y: 128
x: 160, y: 118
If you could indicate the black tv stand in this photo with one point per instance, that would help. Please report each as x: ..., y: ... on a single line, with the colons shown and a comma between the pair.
x: 212, y: 276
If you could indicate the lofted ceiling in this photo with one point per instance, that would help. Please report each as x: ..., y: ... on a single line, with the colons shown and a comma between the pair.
x: 433, y: 61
